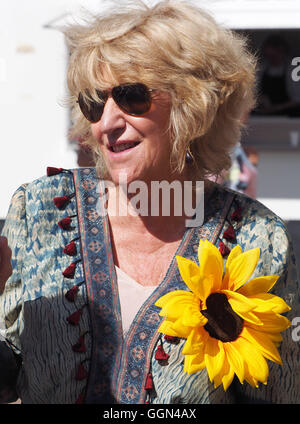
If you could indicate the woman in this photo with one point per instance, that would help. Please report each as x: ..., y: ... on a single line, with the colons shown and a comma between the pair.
x: 158, y: 93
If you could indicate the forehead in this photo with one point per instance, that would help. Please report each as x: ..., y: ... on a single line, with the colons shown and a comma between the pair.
x: 104, y: 76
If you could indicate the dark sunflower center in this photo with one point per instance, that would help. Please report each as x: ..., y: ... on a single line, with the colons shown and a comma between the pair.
x: 223, y: 323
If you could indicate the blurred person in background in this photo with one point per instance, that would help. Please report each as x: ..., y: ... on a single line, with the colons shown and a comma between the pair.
x: 242, y: 176
x: 278, y: 94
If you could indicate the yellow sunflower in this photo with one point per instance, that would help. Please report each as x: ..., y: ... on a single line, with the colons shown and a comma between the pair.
x: 230, y: 327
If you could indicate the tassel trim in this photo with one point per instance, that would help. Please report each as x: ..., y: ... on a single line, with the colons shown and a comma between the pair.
x: 69, y: 272
x: 72, y: 292
x: 74, y: 318
x: 224, y: 250
x: 80, y: 347
x: 237, y: 214
x: 160, y: 354
x: 71, y: 249
x: 55, y: 171
x: 229, y: 234
x: 81, y: 373
x: 80, y: 399
x: 149, y: 382
x: 61, y: 202
x: 65, y: 223
x: 171, y: 339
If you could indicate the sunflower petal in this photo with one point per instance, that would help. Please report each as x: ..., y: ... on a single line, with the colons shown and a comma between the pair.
x: 225, y: 375
x: 257, y: 366
x: 249, y: 378
x: 214, y: 357
x: 192, y: 317
x: 180, y: 329
x: 258, y: 285
x: 241, y: 268
x: 267, y: 302
x: 227, y: 379
x: 191, y: 275
x: 236, y: 251
x: 166, y: 327
x: 238, y: 302
x: 169, y: 296
x: 174, y: 307
x: 211, y: 263
x: 251, y: 318
x: 194, y: 343
x: 194, y: 363
x: 271, y: 322
x: 235, y: 360
x: 263, y: 343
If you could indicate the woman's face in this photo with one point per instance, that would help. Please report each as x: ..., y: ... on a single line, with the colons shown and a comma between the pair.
x: 138, y: 146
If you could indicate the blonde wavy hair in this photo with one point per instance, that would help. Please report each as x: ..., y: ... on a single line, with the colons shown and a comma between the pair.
x: 176, y: 47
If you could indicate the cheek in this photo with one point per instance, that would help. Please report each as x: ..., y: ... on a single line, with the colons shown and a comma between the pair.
x: 96, y: 132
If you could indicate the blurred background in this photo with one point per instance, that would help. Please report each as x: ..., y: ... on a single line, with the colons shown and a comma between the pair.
x: 34, y: 122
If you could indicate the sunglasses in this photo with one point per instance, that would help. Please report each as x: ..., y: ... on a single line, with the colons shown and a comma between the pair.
x: 133, y: 99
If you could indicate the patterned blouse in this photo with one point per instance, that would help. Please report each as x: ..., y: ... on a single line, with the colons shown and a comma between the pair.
x: 60, y: 311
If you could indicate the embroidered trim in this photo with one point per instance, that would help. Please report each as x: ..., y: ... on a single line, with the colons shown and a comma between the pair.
x: 229, y: 234
x: 71, y: 250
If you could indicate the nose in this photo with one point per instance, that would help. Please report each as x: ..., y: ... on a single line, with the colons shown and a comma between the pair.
x: 112, y: 118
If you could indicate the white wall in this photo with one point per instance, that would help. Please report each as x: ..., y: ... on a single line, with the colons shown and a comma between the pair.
x: 33, y: 61
x: 243, y: 14
x: 33, y: 125
x: 279, y: 183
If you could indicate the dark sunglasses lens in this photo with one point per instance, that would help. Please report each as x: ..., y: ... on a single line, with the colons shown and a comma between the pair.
x: 134, y: 99
x: 91, y: 110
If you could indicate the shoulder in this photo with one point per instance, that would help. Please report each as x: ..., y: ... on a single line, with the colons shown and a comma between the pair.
x: 256, y: 226
x: 247, y: 213
x: 33, y: 201
x: 39, y: 193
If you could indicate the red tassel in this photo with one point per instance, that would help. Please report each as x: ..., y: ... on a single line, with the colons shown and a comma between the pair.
x: 79, y: 347
x: 53, y: 171
x: 61, y: 202
x: 149, y: 382
x: 74, y: 318
x: 229, y: 234
x: 71, y: 294
x: 70, y: 249
x: 237, y: 214
x: 160, y: 354
x: 81, y: 373
x: 80, y: 399
x: 69, y: 272
x: 65, y: 223
x: 224, y: 250
x: 170, y: 339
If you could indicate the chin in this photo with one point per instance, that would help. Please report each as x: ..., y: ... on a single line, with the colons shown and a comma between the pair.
x: 123, y: 176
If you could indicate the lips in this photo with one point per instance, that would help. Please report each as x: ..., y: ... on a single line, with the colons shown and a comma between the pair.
x: 121, y: 147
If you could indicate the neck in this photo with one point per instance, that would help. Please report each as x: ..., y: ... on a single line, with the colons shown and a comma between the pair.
x: 157, y: 207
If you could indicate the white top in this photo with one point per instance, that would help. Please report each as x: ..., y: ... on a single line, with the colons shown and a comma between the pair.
x: 132, y: 295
